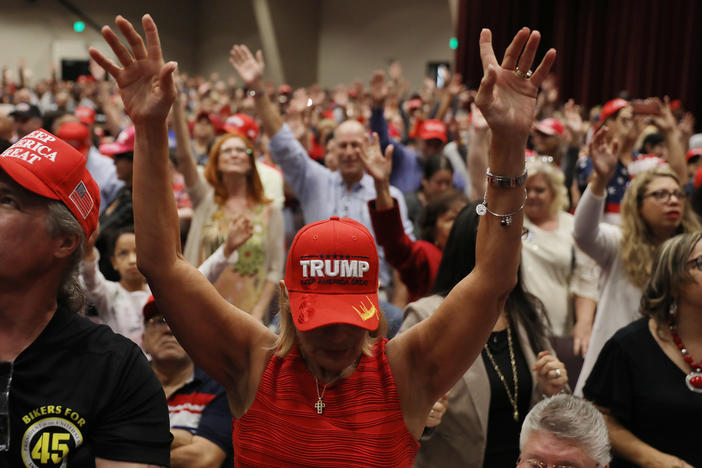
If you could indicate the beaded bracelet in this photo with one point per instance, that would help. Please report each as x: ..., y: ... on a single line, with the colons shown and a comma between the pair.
x: 505, y: 219
x: 506, y: 182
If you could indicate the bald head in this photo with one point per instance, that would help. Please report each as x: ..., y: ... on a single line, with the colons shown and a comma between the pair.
x: 349, y: 138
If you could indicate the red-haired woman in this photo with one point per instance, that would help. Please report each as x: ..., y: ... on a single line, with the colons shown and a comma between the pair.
x: 231, y: 185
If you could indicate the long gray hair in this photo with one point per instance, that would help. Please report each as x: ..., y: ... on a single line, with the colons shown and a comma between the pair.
x: 61, y: 222
x: 571, y: 418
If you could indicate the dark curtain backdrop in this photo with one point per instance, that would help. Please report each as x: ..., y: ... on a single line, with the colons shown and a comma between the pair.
x: 644, y: 47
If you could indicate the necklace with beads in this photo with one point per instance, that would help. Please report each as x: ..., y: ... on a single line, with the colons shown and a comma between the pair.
x: 513, y: 398
x: 694, y: 378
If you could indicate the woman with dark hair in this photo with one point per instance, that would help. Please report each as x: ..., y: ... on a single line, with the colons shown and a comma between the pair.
x: 487, y: 406
x: 437, y: 178
x: 648, y: 378
x: 231, y: 186
x: 416, y: 261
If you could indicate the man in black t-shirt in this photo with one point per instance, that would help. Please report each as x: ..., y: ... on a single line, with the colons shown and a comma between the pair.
x: 72, y: 393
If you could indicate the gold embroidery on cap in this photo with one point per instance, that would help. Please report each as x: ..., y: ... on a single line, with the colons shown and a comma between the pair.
x: 366, y: 313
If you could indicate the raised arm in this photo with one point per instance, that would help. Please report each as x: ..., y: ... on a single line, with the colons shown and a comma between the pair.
x: 589, y: 234
x: 250, y: 69
x: 184, y: 151
x: 227, y: 343
x: 439, y: 350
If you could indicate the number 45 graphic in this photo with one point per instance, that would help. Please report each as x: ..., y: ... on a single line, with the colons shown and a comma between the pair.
x: 51, y: 445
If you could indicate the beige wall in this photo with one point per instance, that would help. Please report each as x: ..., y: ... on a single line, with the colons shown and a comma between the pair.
x: 28, y: 29
x: 325, y: 41
x: 360, y: 36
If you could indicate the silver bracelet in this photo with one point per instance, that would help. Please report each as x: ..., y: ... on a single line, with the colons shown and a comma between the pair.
x: 506, y: 182
x: 505, y: 219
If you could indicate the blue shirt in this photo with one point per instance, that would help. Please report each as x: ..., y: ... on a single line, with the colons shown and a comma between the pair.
x: 323, y: 193
x: 102, y: 168
x: 407, y: 170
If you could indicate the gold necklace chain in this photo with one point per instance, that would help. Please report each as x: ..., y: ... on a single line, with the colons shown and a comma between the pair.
x: 514, y: 400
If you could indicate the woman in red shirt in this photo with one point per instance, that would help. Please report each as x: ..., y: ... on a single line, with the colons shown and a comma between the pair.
x: 336, y: 355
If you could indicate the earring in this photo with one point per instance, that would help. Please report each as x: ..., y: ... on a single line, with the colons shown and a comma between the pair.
x: 673, y: 309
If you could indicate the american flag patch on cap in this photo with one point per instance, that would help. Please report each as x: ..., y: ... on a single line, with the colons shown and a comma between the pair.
x: 82, y: 200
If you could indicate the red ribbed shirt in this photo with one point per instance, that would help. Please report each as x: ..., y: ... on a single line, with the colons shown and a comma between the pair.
x: 362, y: 423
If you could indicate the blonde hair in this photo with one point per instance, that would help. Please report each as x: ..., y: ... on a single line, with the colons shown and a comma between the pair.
x: 638, y: 243
x: 288, y: 333
x: 669, y: 273
x: 254, y: 187
x: 554, y: 178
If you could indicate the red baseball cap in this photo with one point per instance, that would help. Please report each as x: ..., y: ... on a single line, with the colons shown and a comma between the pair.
x: 415, y: 103
x: 550, y: 126
x: 610, y: 108
x: 242, y: 124
x: 149, y: 310
x: 332, y: 275
x: 432, y: 129
x: 692, y: 152
x: 48, y: 166
x: 123, y: 144
x: 85, y: 114
x: 75, y: 134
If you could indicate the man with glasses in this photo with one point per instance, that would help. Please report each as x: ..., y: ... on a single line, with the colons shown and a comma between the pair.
x: 564, y: 432
x: 201, y: 422
x: 72, y: 393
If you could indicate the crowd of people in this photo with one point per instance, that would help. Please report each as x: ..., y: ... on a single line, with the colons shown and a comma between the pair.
x: 369, y: 276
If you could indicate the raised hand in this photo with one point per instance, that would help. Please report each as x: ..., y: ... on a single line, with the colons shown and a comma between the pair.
x: 145, y: 82
x: 507, y: 93
x: 250, y: 68
x: 379, y: 166
x: 603, y: 154
x: 573, y: 121
x: 455, y: 86
x: 240, y: 230
x: 378, y: 88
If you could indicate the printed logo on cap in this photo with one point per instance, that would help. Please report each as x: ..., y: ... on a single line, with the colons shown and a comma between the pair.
x: 32, y: 148
x: 82, y: 200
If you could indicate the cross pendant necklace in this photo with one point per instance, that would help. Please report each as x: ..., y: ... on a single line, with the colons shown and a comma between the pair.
x: 320, y: 405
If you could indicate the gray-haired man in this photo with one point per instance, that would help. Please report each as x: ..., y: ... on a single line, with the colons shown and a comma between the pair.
x: 564, y: 432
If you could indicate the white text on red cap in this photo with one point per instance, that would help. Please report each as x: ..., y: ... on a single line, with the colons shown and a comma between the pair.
x: 32, y: 142
x: 342, y: 268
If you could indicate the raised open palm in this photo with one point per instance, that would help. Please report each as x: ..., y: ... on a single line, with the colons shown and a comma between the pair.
x: 603, y: 154
x: 377, y: 164
x: 507, y: 95
x: 145, y: 82
x: 250, y: 68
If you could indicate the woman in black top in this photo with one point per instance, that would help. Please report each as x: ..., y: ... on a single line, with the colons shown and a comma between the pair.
x: 648, y: 378
x: 488, y: 405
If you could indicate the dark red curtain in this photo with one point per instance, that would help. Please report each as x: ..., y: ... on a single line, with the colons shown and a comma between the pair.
x: 643, y: 47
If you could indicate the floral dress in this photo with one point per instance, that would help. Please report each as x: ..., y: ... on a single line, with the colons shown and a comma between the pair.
x: 241, y: 284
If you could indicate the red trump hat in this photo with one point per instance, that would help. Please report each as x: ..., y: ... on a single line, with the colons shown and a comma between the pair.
x: 332, y: 275
x: 48, y: 166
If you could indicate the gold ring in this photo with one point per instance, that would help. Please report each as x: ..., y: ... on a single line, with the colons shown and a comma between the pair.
x: 523, y: 75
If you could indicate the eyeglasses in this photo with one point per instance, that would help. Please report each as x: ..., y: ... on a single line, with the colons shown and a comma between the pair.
x: 5, y: 379
x: 533, y: 463
x: 663, y: 195
x: 696, y: 263
x: 158, y: 321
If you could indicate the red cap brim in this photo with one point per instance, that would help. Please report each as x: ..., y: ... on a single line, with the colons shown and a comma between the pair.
x: 310, y: 311
x: 26, y: 178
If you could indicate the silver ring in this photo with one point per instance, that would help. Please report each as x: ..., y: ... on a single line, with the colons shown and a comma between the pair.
x: 558, y: 372
x: 523, y: 75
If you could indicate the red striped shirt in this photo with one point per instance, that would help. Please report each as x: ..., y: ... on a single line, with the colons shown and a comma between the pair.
x: 362, y: 424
